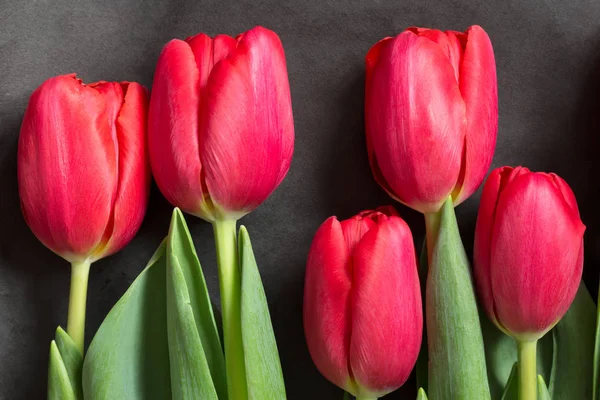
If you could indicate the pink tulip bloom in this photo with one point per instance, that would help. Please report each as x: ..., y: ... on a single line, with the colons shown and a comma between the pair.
x: 431, y: 109
x: 528, y: 250
x: 83, y: 172
x: 221, y: 133
x: 362, y: 303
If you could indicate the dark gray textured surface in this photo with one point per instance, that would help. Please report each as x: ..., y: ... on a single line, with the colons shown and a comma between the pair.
x: 548, y: 57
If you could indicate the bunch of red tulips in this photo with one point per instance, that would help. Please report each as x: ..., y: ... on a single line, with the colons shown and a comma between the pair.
x: 216, y: 132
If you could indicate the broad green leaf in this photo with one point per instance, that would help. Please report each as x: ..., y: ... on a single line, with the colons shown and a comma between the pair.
x: 263, y: 368
x: 501, y: 355
x: 572, y: 376
x: 194, y: 342
x: 129, y: 356
x: 59, y: 383
x: 457, y: 368
x: 423, y: 359
x: 421, y: 395
x: 542, y: 389
x: 596, y: 369
x: 511, y: 390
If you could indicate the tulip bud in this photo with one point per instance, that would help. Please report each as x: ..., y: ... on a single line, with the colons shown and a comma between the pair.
x: 362, y: 303
x: 431, y: 111
x: 83, y: 172
x: 221, y: 132
x: 528, y: 250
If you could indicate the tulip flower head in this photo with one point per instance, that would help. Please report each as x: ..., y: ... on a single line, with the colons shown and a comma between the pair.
x: 431, y: 108
x: 528, y: 250
x: 362, y: 303
x: 83, y: 173
x: 221, y: 132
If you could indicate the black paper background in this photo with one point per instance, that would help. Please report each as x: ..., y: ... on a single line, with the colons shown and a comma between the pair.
x: 548, y: 60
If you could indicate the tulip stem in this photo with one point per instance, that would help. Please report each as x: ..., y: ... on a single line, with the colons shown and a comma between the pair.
x: 80, y: 272
x: 230, y: 285
x: 527, y: 369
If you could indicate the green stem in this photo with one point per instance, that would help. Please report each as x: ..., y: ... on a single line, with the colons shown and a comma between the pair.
x: 230, y: 285
x: 527, y: 370
x: 80, y: 272
x: 366, y: 398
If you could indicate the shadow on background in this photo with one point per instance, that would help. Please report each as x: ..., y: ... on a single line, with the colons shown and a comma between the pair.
x: 578, y: 160
x: 346, y: 186
x: 32, y: 275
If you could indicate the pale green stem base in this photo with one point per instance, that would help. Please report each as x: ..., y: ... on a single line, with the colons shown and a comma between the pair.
x: 80, y: 272
x: 527, y: 370
x: 230, y: 285
x: 366, y: 398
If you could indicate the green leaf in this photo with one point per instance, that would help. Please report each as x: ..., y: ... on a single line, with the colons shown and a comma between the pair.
x: 501, y: 355
x: 72, y: 359
x: 423, y: 359
x: 64, y: 374
x: 263, y: 368
x: 421, y: 395
x: 596, y: 369
x: 572, y: 376
x: 543, y: 390
x: 129, y: 356
x: 197, y: 362
x: 190, y: 373
x: 511, y: 391
x: 59, y: 382
x: 457, y: 368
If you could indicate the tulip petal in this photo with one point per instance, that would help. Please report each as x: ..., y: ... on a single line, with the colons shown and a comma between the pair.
x: 483, y: 238
x: 478, y: 86
x: 566, y: 192
x: 373, y: 56
x: 173, y: 127
x: 208, y: 52
x: 67, y: 166
x: 354, y: 229
x: 246, y: 132
x: 371, y: 61
x: 532, y: 271
x: 496, y: 182
x: 448, y: 42
x: 113, y: 96
x: 133, y: 190
x: 223, y: 45
x: 415, y: 122
x: 326, y: 303
x: 202, y: 45
x: 386, y: 311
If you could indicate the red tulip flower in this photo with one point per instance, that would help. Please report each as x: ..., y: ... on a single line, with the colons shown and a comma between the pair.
x: 528, y: 250
x: 221, y: 132
x: 221, y: 138
x: 528, y: 258
x: 362, y: 303
x: 431, y: 114
x: 83, y: 172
